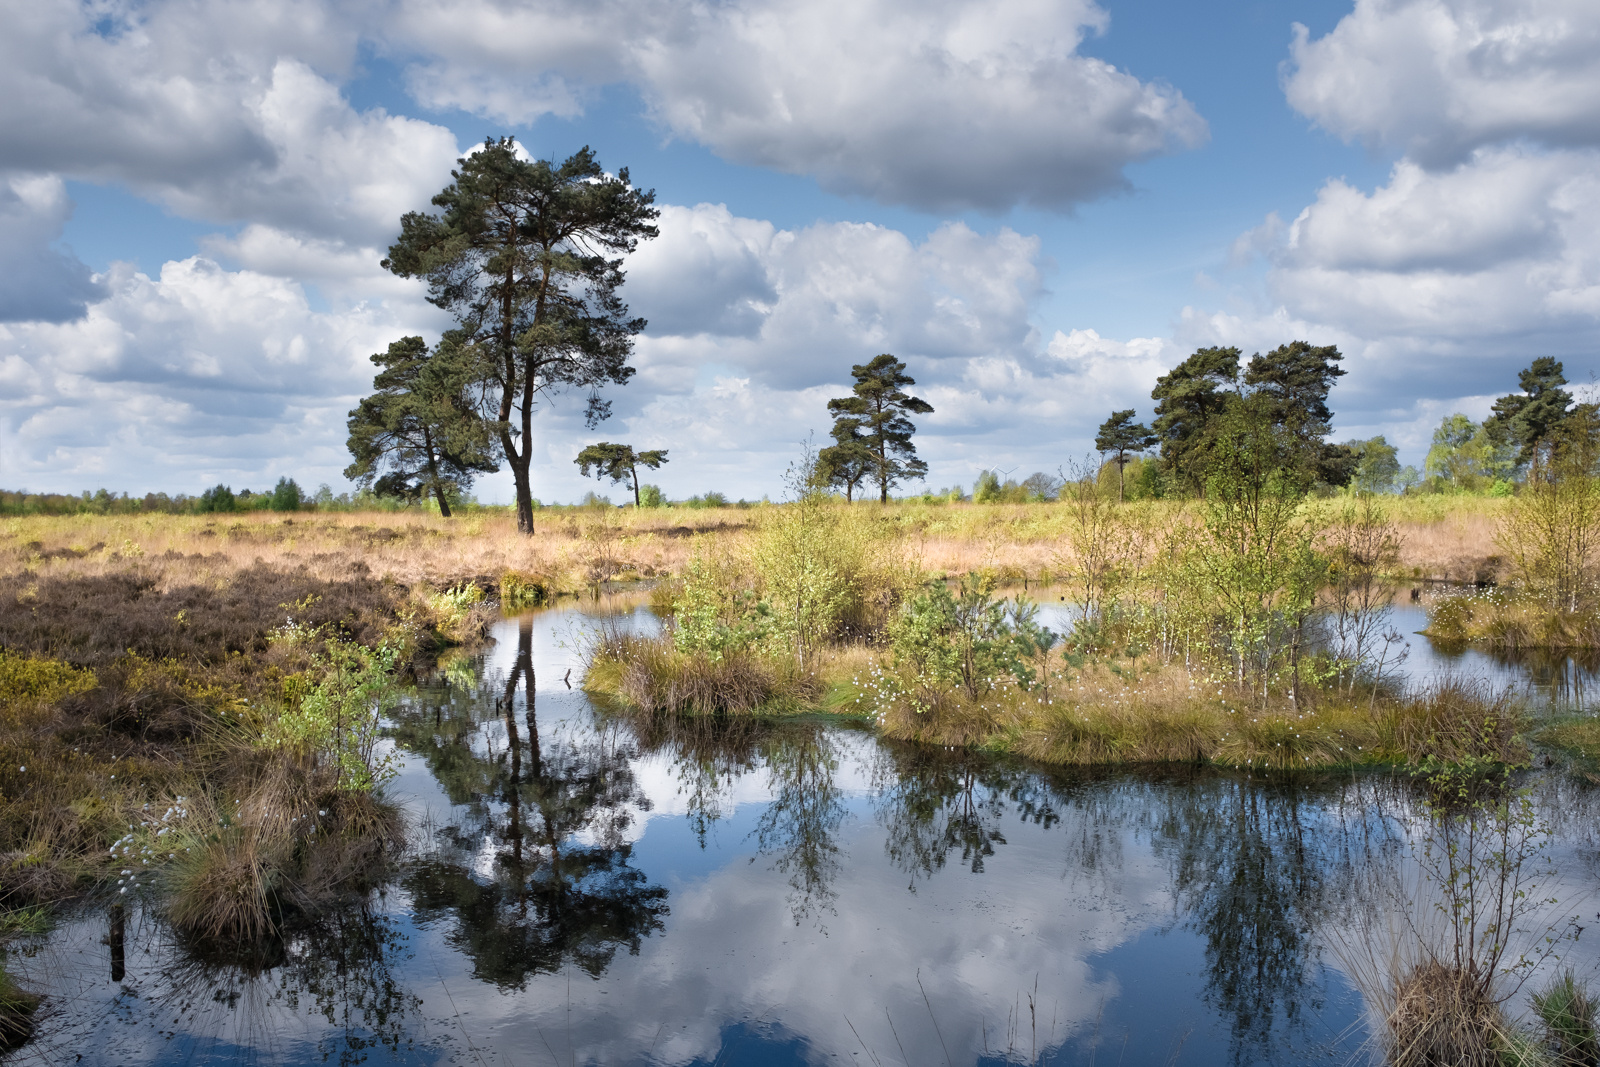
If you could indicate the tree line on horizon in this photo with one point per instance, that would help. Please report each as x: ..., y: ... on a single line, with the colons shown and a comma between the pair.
x: 1285, y: 392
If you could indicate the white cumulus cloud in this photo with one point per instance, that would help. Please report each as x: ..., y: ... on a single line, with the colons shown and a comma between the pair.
x: 1439, y: 78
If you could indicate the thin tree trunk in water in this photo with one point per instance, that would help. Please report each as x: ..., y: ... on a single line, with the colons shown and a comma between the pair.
x: 115, y: 938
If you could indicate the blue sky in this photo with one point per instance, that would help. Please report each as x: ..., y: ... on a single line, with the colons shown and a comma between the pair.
x: 1040, y: 206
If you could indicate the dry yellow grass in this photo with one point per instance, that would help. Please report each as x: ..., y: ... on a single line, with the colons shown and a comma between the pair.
x: 1443, y: 538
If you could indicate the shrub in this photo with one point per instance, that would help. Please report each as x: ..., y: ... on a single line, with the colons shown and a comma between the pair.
x: 457, y: 612
x: 520, y: 589
x: 217, y: 498
x: 336, y: 717
x: 968, y: 640
x: 1551, y: 534
x: 286, y: 496
x: 31, y: 684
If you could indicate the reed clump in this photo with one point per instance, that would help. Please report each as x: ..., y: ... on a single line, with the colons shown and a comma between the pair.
x: 1514, y: 619
x: 1443, y: 1015
x: 1107, y: 712
x: 651, y: 674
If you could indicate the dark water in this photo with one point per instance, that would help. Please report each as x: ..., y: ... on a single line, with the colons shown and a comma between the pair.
x: 589, y: 891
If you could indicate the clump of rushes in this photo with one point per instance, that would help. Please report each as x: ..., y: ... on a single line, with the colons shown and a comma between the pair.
x: 651, y: 674
x: 1110, y: 712
x: 1567, y: 1012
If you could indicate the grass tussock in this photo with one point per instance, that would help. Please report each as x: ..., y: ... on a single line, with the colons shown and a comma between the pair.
x: 1567, y: 1012
x: 1441, y: 1016
x: 1512, y: 620
x: 650, y: 674
x: 290, y: 847
x: 1108, y: 713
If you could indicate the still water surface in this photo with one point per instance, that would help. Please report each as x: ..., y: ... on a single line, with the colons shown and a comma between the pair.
x: 589, y: 891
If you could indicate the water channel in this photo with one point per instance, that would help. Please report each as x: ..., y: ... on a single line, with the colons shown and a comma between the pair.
x: 585, y: 890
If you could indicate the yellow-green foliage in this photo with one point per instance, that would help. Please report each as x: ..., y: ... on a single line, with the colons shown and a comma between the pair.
x: 333, y: 716
x: 519, y: 589
x: 453, y: 612
x: 1110, y: 712
x: 33, y: 683
x: 650, y: 674
x: 1513, y: 619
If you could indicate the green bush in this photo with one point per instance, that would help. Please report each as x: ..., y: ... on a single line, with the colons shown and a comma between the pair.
x: 337, y: 717
x: 217, y: 498
x: 286, y: 495
x: 967, y: 639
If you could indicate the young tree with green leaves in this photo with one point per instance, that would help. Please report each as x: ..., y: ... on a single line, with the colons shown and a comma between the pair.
x: 1189, y: 399
x: 418, y: 433
x: 620, y: 463
x: 1120, y: 435
x: 876, y: 416
x: 1466, y: 456
x: 1377, y: 465
x: 527, y: 256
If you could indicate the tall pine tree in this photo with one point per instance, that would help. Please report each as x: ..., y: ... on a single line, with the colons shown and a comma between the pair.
x: 873, y: 420
x: 527, y: 256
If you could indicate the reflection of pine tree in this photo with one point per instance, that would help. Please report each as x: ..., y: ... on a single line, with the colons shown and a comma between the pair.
x: 934, y: 802
x: 806, y: 809
x: 559, y: 887
x: 1252, y: 867
x: 708, y: 753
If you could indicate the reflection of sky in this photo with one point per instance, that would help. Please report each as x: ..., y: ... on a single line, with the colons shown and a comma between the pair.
x: 1082, y: 917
